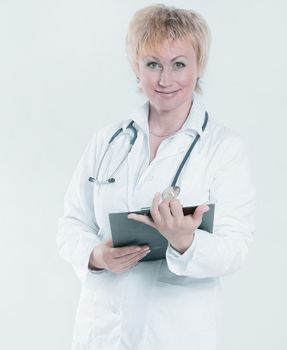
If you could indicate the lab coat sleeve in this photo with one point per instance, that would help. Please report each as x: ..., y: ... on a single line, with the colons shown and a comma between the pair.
x: 224, y: 251
x: 78, y: 231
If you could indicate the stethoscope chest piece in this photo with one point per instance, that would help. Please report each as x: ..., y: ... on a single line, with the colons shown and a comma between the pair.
x: 170, y: 192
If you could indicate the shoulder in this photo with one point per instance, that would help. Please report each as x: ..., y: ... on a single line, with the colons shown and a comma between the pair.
x: 224, y: 137
x: 224, y: 145
x: 216, y: 136
x: 102, y: 136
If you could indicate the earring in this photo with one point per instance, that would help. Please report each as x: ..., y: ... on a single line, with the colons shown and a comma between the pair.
x: 138, y: 79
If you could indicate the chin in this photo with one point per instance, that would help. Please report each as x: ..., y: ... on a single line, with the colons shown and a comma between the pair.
x: 166, y: 106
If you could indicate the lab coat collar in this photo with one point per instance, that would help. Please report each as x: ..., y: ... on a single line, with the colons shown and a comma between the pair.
x: 192, y: 124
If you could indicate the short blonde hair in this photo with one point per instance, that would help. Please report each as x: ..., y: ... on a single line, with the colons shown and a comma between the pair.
x: 154, y: 24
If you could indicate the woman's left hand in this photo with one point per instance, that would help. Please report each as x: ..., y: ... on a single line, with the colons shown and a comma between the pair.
x: 169, y: 220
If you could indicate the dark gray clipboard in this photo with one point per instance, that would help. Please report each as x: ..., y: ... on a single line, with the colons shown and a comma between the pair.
x: 127, y: 232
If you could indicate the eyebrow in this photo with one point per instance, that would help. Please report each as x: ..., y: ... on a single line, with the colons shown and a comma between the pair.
x: 174, y: 59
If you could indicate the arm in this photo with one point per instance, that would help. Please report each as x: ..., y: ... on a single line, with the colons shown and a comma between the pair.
x: 224, y: 251
x: 78, y: 237
x: 78, y: 231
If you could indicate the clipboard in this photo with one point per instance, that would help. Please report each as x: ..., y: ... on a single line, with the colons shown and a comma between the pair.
x: 127, y: 232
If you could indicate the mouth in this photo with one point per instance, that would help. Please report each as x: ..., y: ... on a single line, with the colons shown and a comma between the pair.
x: 167, y: 93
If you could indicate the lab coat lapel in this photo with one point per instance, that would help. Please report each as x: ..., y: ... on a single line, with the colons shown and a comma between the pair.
x: 179, y: 142
x: 173, y: 146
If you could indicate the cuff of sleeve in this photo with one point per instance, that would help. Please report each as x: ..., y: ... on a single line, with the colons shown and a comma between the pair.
x: 82, y: 269
x: 96, y: 272
x: 178, y: 263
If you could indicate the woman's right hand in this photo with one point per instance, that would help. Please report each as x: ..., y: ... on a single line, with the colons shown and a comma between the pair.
x: 117, y: 260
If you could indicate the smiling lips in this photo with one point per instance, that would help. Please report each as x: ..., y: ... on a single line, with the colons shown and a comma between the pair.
x: 166, y: 93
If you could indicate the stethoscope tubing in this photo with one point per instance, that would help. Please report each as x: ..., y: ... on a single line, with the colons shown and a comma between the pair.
x: 111, y: 179
x: 191, y: 147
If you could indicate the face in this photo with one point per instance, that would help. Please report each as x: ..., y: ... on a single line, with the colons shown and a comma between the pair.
x: 168, y: 75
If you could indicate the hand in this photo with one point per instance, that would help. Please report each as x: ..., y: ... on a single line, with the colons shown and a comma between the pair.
x: 169, y: 220
x: 105, y: 256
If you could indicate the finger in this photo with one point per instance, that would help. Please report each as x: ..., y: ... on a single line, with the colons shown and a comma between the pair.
x: 164, y: 210
x: 123, y: 251
x: 155, y: 214
x: 133, y: 261
x: 199, y: 211
x: 176, y: 208
x: 124, y: 268
x: 120, y: 265
x: 125, y: 258
x: 141, y: 218
x: 133, y: 257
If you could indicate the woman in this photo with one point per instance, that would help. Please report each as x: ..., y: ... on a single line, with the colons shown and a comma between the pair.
x: 174, y: 302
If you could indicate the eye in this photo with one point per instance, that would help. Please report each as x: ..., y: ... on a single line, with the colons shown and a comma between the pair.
x: 179, y: 65
x: 153, y: 65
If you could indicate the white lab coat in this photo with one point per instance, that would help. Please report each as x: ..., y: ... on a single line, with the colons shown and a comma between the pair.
x: 163, y: 304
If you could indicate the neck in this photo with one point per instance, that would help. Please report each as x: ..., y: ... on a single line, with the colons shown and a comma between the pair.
x: 165, y: 122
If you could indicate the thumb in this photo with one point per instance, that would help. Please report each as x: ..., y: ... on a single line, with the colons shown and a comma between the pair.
x: 199, y: 211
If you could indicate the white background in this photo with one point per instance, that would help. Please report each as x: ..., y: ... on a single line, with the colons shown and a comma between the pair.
x: 63, y: 75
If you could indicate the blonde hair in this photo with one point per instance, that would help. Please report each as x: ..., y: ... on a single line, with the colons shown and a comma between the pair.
x: 154, y: 24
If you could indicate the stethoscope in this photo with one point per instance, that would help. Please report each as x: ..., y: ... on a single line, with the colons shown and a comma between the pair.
x: 173, y: 190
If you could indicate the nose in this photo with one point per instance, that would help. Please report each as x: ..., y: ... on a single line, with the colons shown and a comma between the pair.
x: 165, y: 78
